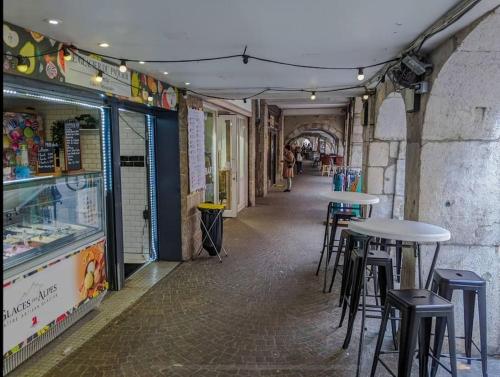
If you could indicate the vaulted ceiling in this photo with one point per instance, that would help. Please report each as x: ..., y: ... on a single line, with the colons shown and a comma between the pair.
x: 347, y: 33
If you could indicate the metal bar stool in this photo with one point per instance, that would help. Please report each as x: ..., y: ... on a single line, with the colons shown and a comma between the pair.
x: 350, y: 239
x: 444, y: 282
x: 356, y: 286
x: 417, y: 309
x: 333, y: 221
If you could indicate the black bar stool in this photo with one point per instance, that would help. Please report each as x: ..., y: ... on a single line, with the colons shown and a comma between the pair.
x: 444, y: 282
x: 354, y: 288
x: 339, y: 218
x: 351, y: 240
x: 417, y: 309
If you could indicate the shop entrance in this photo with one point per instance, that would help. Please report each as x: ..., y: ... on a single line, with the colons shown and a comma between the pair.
x: 271, y: 169
x: 232, y: 163
x: 242, y: 162
x: 134, y: 190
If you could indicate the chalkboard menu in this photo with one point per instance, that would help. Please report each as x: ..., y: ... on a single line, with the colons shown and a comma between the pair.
x: 72, y: 149
x: 46, y: 159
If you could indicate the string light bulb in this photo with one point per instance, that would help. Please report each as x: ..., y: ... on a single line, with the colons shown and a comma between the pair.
x: 67, y: 54
x: 123, y: 66
x: 313, y: 95
x: 150, y: 98
x: 98, y: 77
x: 361, y: 75
x: 366, y: 96
x: 23, y: 64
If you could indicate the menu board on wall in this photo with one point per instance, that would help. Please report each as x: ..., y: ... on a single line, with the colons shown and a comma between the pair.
x: 196, y: 149
x: 45, y: 160
x: 72, y: 149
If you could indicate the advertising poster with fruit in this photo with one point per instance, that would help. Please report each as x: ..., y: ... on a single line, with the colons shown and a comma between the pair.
x: 19, y: 41
x: 131, y: 85
x: 144, y: 86
x: 39, y: 299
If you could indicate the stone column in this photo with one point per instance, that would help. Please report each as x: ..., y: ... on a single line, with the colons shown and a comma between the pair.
x: 281, y: 147
x: 356, y: 157
x: 190, y: 217
x: 261, y: 151
x: 251, y: 156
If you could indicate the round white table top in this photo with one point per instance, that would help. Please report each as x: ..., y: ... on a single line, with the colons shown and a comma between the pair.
x: 400, y: 230
x: 349, y: 197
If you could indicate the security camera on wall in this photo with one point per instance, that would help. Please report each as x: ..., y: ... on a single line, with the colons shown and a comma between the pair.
x: 411, y: 73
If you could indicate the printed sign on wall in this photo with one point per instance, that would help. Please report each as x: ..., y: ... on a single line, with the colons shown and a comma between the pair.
x: 82, y: 72
x: 43, y: 297
x: 196, y: 149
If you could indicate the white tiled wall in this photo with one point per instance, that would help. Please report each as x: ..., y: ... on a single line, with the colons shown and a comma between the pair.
x: 134, y: 189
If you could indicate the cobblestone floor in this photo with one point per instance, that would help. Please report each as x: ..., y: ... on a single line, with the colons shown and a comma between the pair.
x: 259, y: 313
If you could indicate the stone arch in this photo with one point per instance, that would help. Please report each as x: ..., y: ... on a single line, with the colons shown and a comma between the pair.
x: 331, y: 141
x: 385, y: 170
x: 333, y: 136
x: 459, y: 184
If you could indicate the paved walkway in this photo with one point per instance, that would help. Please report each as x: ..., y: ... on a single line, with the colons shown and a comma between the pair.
x: 259, y: 313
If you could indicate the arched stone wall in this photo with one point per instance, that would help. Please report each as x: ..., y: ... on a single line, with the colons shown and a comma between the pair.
x: 386, y: 155
x: 460, y: 161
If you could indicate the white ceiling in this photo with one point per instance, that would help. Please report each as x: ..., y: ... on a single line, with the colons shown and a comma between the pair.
x: 316, y: 32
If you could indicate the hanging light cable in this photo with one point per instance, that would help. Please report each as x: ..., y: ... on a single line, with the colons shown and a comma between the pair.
x: 123, y: 66
x: 67, y: 54
x: 98, y: 77
x: 361, y: 75
x: 23, y: 63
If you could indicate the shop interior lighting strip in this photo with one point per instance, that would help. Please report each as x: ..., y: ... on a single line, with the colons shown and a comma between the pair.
x: 105, y: 130
x: 106, y: 150
x: 152, y: 187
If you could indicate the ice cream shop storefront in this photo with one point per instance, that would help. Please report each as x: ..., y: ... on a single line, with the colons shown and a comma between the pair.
x: 81, y: 209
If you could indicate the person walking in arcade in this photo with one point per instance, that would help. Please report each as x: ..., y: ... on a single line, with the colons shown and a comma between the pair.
x: 288, y: 163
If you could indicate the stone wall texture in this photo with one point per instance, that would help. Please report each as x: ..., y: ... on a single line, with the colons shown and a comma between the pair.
x: 460, y: 160
x: 385, y: 148
x: 452, y: 160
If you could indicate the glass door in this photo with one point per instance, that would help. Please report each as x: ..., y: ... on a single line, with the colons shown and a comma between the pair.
x: 134, y: 190
x: 226, y: 163
x: 210, y: 158
x: 242, y: 162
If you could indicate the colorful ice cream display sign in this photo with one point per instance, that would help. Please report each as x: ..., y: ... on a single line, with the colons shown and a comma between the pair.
x: 144, y: 86
x: 18, y: 41
x: 21, y: 131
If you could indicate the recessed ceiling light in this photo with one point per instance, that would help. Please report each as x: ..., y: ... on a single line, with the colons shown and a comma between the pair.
x: 53, y: 21
x: 187, y: 83
x: 141, y: 62
x: 165, y: 73
x: 103, y: 44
